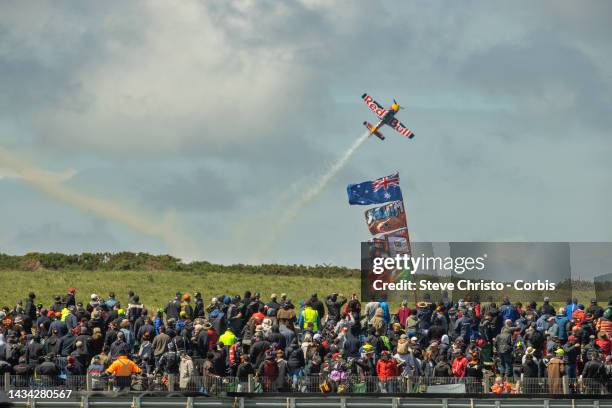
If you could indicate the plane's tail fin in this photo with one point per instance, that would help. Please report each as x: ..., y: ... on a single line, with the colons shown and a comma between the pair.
x: 373, y: 132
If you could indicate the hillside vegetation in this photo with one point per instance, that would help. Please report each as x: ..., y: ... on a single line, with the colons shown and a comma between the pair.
x: 155, y: 278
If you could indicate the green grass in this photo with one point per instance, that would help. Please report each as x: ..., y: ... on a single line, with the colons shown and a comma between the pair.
x: 156, y: 288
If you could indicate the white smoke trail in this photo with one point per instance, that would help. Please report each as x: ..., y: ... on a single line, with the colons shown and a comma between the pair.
x: 309, y: 195
x: 53, y: 186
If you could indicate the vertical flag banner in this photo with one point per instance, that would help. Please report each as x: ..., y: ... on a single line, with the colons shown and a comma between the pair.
x: 386, y: 218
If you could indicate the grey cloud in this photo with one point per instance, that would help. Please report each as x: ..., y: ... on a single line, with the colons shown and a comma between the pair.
x: 543, y: 75
x: 201, y: 190
x: 57, y: 237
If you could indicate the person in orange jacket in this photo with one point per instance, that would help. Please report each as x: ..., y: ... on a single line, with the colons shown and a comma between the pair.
x: 501, y: 387
x: 123, y: 368
x: 579, y: 316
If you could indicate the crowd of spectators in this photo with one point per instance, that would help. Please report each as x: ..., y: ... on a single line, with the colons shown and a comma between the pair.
x: 333, y: 339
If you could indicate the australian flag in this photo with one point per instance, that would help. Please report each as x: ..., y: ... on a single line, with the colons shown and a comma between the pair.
x: 379, y: 191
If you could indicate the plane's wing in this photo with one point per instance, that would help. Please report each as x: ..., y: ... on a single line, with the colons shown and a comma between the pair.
x: 401, y: 128
x: 373, y: 105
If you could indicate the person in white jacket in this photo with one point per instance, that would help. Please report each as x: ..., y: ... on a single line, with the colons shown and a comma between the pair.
x: 185, y: 371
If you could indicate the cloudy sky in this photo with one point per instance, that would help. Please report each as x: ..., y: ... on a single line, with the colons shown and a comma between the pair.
x: 187, y: 127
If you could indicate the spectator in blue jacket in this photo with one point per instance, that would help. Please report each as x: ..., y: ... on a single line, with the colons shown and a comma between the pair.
x: 382, y: 303
x: 571, y: 307
x: 562, y: 321
x: 507, y: 311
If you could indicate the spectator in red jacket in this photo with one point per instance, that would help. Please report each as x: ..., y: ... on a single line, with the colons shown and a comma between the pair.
x: 386, y: 369
x: 604, y: 343
x: 459, y: 364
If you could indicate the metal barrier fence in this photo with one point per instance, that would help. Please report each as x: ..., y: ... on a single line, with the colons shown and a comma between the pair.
x: 319, y: 401
x: 319, y: 384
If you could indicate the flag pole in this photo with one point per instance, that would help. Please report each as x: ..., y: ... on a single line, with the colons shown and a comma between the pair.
x: 416, y: 289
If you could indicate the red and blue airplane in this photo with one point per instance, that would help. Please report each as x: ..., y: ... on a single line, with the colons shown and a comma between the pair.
x: 386, y: 116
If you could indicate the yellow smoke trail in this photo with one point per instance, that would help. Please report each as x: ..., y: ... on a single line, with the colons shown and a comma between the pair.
x: 53, y: 186
x: 308, y: 196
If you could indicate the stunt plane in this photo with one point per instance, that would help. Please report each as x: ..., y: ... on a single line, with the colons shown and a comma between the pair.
x: 386, y: 116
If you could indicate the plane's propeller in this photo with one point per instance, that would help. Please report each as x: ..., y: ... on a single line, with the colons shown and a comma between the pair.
x: 400, y: 106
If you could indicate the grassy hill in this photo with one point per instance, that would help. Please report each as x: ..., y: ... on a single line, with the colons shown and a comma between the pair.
x: 155, y: 278
x: 156, y: 287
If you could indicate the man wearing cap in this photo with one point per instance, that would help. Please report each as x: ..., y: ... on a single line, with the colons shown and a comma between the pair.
x: 272, y: 306
x: 556, y: 370
x: 51, y: 346
x: 57, y: 304
x: 546, y: 308
x: 595, y: 309
x: 588, y: 348
x: 572, y: 351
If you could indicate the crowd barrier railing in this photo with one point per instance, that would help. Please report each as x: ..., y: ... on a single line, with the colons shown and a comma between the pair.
x: 321, y: 384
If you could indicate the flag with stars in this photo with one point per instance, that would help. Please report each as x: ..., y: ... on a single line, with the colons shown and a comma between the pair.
x: 379, y: 191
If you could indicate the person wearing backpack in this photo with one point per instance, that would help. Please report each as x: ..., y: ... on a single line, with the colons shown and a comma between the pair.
x: 169, y: 361
x: 146, y: 353
x: 12, y: 350
x: 268, y: 371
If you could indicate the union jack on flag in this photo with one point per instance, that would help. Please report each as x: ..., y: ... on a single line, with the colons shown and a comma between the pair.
x: 386, y: 182
x: 382, y: 190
